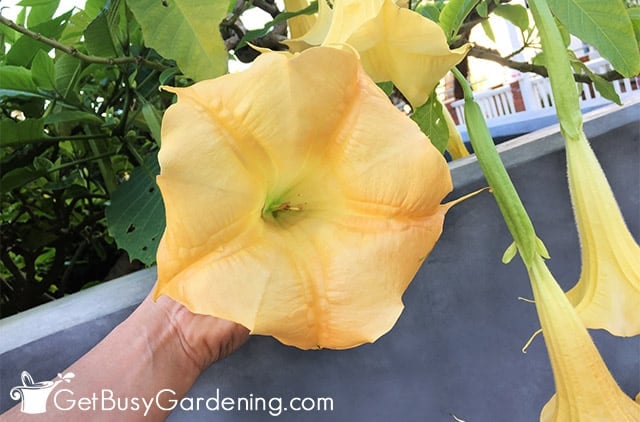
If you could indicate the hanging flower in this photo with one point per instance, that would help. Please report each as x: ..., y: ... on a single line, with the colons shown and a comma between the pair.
x: 455, y: 144
x: 299, y: 201
x: 395, y: 44
x: 608, y: 292
x: 299, y: 25
x: 585, y: 389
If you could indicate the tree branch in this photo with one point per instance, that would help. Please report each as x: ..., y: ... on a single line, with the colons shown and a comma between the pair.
x: 72, y: 51
x: 492, y: 55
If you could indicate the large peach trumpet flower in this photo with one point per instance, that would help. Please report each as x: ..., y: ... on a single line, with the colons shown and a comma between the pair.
x: 607, y: 294
x: 300, y: 202
x: 585, y: 389
x: 395, y: 44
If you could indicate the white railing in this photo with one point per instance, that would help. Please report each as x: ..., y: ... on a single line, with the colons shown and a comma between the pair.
x: 498, y: 104
x: 494, y: 103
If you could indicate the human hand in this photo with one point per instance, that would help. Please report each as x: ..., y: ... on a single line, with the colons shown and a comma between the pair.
x: 205, y: 339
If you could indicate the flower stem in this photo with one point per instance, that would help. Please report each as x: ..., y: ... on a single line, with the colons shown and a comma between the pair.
x: 565, y: 91
x: 511, y: 207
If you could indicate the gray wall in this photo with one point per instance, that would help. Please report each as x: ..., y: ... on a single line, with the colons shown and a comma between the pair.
x: 456, y: 348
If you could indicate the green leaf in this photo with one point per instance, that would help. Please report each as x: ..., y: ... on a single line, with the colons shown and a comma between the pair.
x: 634, y: 15
x: 486, y: 26
x: 387, y: 87
x: 41, y: 12
x: 514, y: 13
x: 20, y: 132
x: 16, y: 93
x: 32, y: 3
x: 101, y: 35
x: 67, y: 71
x: 73, y: 116
x: 483, y: 9
x: 94, y: 7
x: 43, y: 71
x: 136, y: 217
x: 25, y: 48
x: 98, y: 37
x: 75, y: 27
x: 453, y: 15
x: 167, y: 74
x: 19, y: 177
x: 187, y: 32
x: 153, y: 118
x: 430, y: 119
x: 17, y: 78
x: 257, y: 33
x: 604, y: 87
x: 43, y: 164
x: 10, y: 36
x: 605, y: 25
x: 510, y: 253
x: 429, y: 11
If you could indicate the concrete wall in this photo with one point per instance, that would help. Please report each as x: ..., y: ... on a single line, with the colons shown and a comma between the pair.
x: 455, y: 350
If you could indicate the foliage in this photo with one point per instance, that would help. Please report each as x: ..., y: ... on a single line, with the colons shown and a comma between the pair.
x: 80, y: 111
x: 72, y: 132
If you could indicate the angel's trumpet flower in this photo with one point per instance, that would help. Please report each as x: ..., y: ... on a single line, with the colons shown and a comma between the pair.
x: 299, y: 201
x: 301, y: 24
x: 395, y: 44
x: 455, y: 144
x: 585, y: 389
x: 607, y: 294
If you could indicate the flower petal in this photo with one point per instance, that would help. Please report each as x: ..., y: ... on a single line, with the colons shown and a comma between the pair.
x: 335, y: 204
x: 299, y: 25
x: 585, y: 389
x: 607, y: 294
x: 409, y: 50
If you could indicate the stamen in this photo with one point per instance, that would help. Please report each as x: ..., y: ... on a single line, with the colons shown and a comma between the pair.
x: 528, y: 343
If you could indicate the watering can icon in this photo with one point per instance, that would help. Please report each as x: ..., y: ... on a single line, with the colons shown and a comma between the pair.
x: 34, y: 395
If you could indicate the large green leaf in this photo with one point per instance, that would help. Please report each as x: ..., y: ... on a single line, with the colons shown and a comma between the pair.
x: 98, y: 37
x: 634, y: 14
x: 43, y: 71
x: 25, y: 48
x: 604, y: 87
x: 101, y: 35
x: 17, y: 78
x: 135, y: 217
x: 67, y: 71
x: 41, y: 11
x: 187, y: 32
x: 453, y: 14
x: 429, y: 11
x: 73, y: 32
x: 431, y: 120
x: 75, y: 116
x: 14, y: 133
x: 153, y: 119
x: 514, y: 13
x: 605, y: 25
